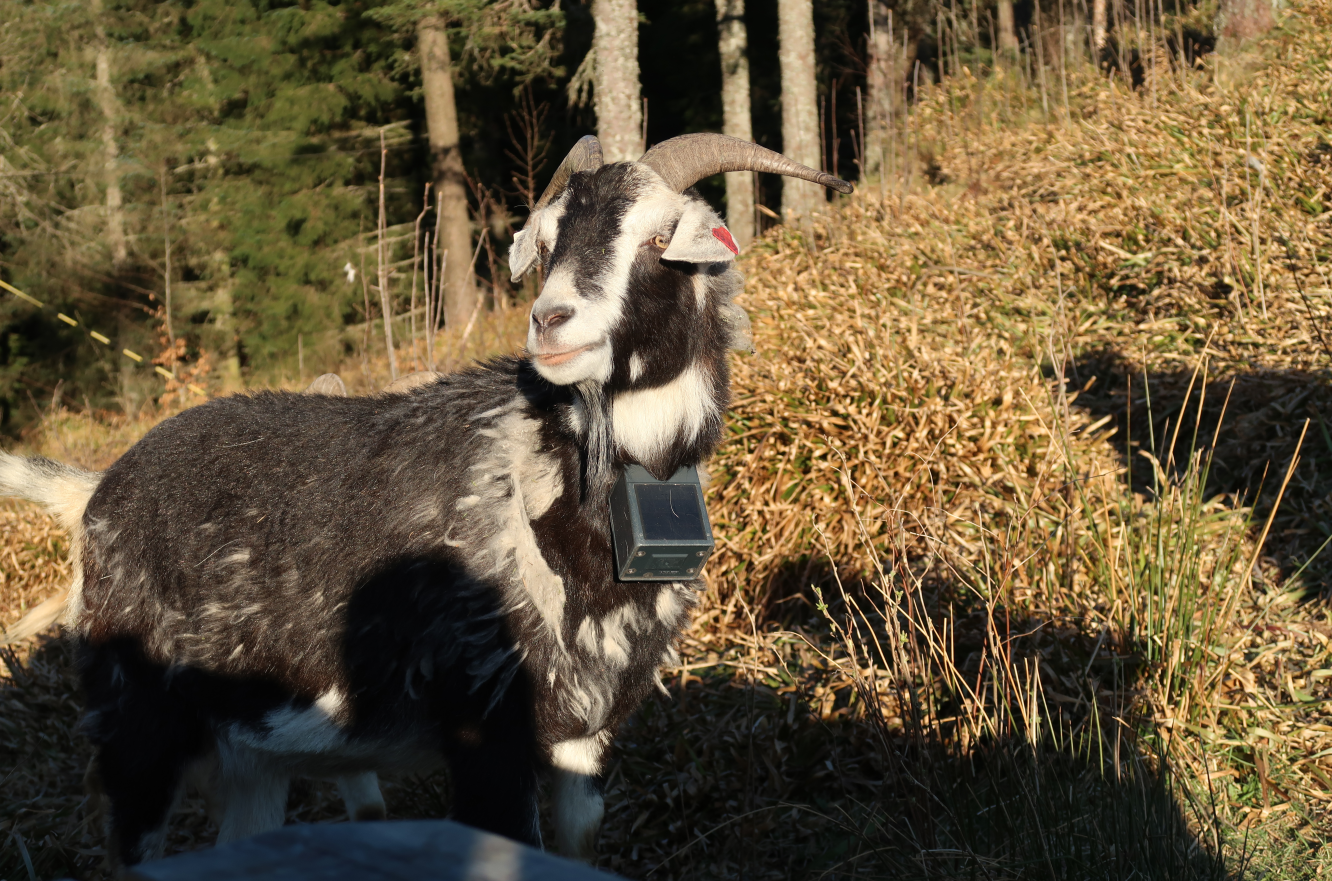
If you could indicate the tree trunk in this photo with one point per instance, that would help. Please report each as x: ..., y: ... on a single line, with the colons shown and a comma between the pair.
x: 1098, y: 30
x: 733, y: 41
x: 800, y: 112
x: 222, y: 313
x: 455, y: 229
x: 881, y: 83
x: 615, y: 85
x: 382, y: 264
x: 1008, y: 43
x: 1239, y: 20
x: 110, y: 107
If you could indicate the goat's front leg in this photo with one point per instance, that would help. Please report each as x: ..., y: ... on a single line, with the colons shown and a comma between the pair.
x: 495, y: 774
x: 579, y: 806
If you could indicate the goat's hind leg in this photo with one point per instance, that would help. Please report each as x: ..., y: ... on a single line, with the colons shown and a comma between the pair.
x: 361, y: 796
x: 252, y: 799
x: 145, y: 739
x: 579, y: 808
x: 244, y: 796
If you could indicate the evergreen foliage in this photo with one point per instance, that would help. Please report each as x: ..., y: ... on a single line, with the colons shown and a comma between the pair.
x: 261, y: 121
x: 510, y: 39
x: 260, y: 117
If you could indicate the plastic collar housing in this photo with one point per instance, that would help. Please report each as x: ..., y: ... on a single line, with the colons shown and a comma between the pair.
x: 660, y: 527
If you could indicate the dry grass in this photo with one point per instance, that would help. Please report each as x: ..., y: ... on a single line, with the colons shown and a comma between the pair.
x: 949, y: 410
x: 994, y: 487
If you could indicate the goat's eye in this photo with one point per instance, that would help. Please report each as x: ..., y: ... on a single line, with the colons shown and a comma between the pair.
x: 660, y: 242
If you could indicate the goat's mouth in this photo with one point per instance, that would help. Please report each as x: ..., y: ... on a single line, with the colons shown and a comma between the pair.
x: 554, y: 359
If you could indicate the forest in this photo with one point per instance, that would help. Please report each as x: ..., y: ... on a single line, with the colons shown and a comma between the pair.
x: 1024, y: 495
x: 227, y: 157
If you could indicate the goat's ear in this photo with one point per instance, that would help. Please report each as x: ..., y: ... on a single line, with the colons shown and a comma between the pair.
x: 700, y: 237
x: 523, y: 253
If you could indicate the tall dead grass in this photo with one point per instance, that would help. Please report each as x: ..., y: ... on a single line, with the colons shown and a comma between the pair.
x: 1040, y: 436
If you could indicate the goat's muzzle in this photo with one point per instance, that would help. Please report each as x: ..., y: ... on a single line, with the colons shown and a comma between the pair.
x: 554, y: 359
x: 550, y: 316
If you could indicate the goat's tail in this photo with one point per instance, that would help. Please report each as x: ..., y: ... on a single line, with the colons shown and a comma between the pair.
x: 39, y: 617
x: 64, y: 491
x: 61, y: 489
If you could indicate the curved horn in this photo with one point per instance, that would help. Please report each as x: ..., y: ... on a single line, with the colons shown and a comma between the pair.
x: 685, y: 160
x: 585, y: 156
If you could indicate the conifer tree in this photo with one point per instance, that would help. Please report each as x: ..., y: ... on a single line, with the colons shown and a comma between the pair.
x: 510, y: 38
x: 455, y: 234
x: 253, y: 126
x: 1098, y: 35
x: 1008, y: 43
x: 110, y: 107
x: 254, y: 111
x: 881, y: 83
x: 298, y: 91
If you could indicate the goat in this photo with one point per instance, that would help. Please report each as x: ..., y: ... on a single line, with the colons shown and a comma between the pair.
x: 53, y: 609
x: 360, y: 792
x: 279, y: 584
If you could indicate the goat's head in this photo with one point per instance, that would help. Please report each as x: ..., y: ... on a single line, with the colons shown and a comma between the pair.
x: 628, y: 252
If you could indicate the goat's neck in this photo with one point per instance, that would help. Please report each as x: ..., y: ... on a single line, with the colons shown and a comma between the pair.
x: 592, y: 417
x: 669, y: 425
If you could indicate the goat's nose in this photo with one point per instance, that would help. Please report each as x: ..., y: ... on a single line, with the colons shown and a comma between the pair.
x: 551, y: 317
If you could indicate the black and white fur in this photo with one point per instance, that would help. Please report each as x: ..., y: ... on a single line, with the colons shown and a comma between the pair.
x: 281, y: 584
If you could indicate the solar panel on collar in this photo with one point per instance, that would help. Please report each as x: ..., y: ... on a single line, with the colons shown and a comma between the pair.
x: 671, y: 512
x: 661, y: 527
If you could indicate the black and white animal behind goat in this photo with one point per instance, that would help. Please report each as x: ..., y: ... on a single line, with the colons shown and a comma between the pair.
x: 275, y: 585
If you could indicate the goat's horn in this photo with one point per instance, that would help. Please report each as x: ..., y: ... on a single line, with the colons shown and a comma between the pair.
x: 685, y: 160
x: 585, y: 156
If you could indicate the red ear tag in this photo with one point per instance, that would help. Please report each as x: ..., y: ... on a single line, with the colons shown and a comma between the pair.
x: 723, y: 235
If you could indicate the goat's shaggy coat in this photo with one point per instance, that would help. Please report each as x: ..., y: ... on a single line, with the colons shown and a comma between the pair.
x: 301, y: 584
x: 360, y: 584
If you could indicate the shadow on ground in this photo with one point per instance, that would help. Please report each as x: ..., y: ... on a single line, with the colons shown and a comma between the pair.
x: 46, y: 817
x: 787, y: 775
x: 1250, y: 422
x: 754, y: 769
